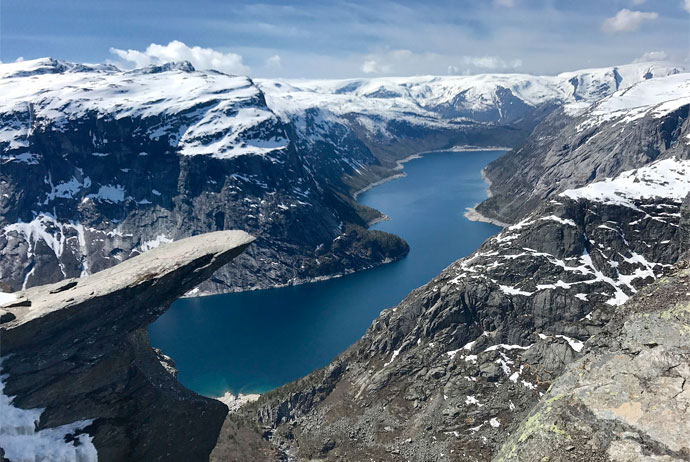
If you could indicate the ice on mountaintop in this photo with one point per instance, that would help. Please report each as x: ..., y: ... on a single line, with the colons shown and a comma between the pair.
x: 201, y: 113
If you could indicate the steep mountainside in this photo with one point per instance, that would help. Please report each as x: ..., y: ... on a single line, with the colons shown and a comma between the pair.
x: 397, y: 117
x: 575, y: 146
x: 627, y: 398
x: 98, y: 164
x: 79, y: 381
x: 451, y: 371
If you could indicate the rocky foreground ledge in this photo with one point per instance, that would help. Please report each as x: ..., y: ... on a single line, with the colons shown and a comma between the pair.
x: 75, y: 356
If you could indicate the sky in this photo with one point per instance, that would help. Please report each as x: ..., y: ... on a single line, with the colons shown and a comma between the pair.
x: 351, y: 38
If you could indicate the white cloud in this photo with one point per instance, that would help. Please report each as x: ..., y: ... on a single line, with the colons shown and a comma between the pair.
x: 274, y: 62
x: 493, y: 63
x: 387, y: 62
x: 652, y: 56
x: 686, y: 5
x: 505, y: 3
x: 406, y: 62
x: 201, y: 58
x: 627, y: 21
x: 372, y: 66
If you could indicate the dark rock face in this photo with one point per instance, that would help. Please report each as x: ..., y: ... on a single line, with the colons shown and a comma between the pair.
x: 453, y: 369
x: 567, y: 152
x: 79, y: 350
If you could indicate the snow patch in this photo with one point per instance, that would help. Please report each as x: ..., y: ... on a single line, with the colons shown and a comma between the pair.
x: 22, y: 442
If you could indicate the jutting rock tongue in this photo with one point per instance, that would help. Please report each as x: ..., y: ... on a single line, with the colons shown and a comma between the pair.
x: 77, y: 363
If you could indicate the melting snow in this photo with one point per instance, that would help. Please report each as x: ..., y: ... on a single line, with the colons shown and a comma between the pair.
x: 395, y: 355
x: 23, y: 443
x: 113, y: 194
x: 155, y: 242
x: 472, y: 400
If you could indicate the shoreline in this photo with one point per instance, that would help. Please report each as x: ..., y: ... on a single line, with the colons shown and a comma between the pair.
x: 400, y: 164
x: 472, y: 215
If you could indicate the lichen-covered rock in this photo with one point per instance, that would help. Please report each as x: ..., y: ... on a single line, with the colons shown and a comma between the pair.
x: 628, y: 397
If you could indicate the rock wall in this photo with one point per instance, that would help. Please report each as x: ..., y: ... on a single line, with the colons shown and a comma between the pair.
x: 627, y: 398
x: 569, y: 151
x: 78, y: 351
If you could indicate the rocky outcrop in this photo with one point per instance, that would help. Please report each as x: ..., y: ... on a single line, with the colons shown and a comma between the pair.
x: 627, y: 398
x: 455, y: 367
x: 76, y: 357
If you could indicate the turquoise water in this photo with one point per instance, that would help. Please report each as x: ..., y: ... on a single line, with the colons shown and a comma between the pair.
x: 252, y: 342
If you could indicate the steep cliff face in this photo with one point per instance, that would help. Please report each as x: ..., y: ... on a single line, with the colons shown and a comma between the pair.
x: 79, y: 378
x: 574, y: 146
x: 453, y: 369
x: 99, y: 165
x: 627, y: 398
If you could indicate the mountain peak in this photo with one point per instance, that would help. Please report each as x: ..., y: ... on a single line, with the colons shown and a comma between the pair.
x: 184, y: 66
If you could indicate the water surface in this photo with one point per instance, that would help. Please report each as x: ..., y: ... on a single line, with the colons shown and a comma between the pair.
x: 252, y: 342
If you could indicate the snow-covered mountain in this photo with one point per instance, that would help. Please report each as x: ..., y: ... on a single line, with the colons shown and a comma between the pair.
x: 500, y: 98
x: 99, y: 164
x: 577, y: 145
x: 195, y: 113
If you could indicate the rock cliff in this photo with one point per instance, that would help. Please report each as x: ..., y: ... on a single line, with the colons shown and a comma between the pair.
x: 575, y: 146
x: 79, y: 377
x: 627, y: 398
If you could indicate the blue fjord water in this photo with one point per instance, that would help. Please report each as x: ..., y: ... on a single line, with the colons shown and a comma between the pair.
x: 252, y: 342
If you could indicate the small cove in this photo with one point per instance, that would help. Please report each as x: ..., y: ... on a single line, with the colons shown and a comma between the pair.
x: 251, y: 342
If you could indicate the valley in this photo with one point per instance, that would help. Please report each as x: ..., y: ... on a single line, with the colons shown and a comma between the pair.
x: 252, y: 342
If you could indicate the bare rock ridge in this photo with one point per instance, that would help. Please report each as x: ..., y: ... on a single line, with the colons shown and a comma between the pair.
x: 79, y: 350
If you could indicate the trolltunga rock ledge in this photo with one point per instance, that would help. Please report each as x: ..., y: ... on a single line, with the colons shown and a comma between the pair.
x: 79, y: 351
